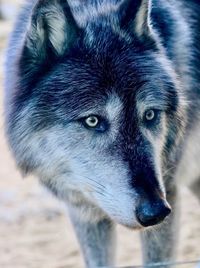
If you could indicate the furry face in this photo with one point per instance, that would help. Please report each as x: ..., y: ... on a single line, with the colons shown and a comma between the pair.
x: 96, y: 111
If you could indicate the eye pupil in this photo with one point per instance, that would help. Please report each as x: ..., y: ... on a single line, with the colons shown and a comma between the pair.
x: 91, y: 121
x: 150, y: 115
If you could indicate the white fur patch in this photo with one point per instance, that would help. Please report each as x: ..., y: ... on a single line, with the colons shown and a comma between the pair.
x: 113, y: 107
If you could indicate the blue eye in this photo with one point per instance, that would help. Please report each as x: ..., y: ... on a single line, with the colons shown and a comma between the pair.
x: 91, y: 121
x: 94, y: 122
x: 150, y: 115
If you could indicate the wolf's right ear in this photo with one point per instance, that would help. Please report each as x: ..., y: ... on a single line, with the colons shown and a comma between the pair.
x: 52, y: 28
x: 135, y: 17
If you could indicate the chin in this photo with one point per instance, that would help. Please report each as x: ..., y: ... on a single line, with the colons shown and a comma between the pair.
x: 133, y: 225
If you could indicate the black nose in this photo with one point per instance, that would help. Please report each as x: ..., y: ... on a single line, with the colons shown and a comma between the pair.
x: 149, y: 214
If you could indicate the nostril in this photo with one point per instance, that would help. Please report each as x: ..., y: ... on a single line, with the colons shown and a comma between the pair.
x: 149, y: 214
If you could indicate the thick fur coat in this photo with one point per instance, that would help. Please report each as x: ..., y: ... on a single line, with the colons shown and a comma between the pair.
x: 102, y: 104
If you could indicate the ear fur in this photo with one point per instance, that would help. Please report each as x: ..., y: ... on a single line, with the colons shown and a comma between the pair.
x: 52, y: 26
x: 135, y: 17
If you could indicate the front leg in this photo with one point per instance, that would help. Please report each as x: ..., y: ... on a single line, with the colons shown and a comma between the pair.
x: 97, y: 240
x: 159, y: 243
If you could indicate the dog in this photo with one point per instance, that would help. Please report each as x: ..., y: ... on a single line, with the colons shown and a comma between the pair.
x: 102, y: 104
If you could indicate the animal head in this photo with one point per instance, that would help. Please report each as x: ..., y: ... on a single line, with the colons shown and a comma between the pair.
x: 98, y: 108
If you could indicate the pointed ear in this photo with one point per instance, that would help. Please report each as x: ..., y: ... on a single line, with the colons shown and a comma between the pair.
x: 135, y: 16
x: 52, y: 30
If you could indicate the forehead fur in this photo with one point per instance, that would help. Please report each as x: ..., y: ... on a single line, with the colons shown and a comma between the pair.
x: 88, y: 75
x: 92, y: 10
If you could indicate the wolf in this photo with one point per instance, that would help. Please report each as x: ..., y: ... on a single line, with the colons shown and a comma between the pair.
x: 102, y: 104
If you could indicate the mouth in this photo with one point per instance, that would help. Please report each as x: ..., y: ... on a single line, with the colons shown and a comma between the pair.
x: 135, y: 228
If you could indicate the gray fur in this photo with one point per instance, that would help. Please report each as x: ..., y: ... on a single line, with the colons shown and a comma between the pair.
x: 116, y: 60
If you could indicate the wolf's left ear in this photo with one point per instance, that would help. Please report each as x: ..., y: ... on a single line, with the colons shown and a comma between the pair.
x: 135, y: 16
x: 51, y: 31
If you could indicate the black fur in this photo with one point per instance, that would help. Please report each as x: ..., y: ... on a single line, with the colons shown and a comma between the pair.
x: 106, y: 55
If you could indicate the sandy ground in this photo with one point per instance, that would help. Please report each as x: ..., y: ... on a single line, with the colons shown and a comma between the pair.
x: 35, y: 231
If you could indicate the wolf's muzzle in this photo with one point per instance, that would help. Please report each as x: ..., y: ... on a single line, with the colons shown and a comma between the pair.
x: 151, y: 213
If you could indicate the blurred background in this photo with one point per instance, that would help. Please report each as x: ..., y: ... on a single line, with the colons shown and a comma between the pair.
x: 35, y: 231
